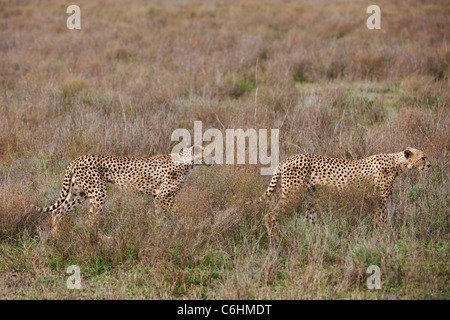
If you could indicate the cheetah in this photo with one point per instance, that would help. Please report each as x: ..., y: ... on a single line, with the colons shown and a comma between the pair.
x: 303, y: 172
x: 160, y: 176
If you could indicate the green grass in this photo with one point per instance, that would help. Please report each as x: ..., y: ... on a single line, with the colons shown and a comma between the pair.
x: 130, y: 77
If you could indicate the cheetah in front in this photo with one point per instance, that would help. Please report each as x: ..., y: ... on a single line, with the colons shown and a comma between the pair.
x: 303, y: 172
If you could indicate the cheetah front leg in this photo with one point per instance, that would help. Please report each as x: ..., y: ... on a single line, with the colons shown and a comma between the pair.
x: 380, y: 218
x: 165, y: 199
x: 385, y: 191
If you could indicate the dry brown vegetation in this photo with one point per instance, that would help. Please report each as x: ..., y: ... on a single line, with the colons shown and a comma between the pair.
x: 137, y: 71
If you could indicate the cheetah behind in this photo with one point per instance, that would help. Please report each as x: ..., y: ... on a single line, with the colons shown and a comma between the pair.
x: 160, y: 176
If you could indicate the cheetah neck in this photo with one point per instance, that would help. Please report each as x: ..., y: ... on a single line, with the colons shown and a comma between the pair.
x: 181, y: 161
x: 399, y: 159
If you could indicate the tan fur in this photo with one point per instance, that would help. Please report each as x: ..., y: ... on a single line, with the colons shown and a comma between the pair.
x: 304, y: 171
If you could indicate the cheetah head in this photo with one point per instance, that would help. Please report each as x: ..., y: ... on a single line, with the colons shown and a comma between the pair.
x: 413, y: 158
x: 196, y: 155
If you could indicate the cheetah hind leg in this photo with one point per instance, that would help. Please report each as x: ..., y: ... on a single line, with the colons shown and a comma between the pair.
x: 271, y: 218
x: 74, y: 198
x: 96, y: 201
x: 94, y: 220
x: 311, y: 214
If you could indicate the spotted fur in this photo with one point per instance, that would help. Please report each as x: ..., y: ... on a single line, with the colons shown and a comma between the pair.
x: 303, y: 172
x: 161, y: 176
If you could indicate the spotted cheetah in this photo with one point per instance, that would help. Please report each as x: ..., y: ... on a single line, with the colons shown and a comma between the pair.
x: 304, y: 171
x: 160, y: 176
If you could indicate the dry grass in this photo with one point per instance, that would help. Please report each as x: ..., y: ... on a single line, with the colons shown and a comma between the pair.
x: 130, y: 77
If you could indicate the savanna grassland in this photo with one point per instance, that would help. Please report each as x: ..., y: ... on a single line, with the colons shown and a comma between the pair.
x: 137, y: 71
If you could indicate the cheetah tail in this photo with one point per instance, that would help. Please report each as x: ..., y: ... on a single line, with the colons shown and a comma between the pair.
x: 272, y: 185
x: 271, y: 189
x: 63, y: 194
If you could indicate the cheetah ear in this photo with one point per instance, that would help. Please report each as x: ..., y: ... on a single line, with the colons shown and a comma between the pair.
x: 408, y: 153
